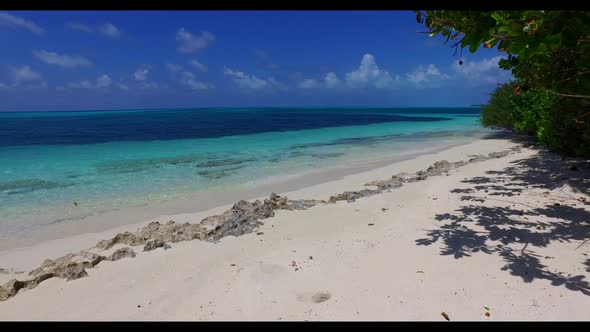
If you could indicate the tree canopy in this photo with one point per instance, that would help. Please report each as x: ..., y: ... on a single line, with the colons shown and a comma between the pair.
x: 548, y: 53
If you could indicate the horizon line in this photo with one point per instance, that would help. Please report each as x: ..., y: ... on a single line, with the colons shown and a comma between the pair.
x: 235, y: 107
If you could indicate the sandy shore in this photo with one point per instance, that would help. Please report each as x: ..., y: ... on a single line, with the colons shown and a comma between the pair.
x: 501, y: 239
x: 104, y: 222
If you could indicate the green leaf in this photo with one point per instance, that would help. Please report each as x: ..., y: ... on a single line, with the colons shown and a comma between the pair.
x: 515, y: 27
x: 517, y: 47
x: 491, y: 42
x: 541, y: 48
x: 527, y: 28
x: 496, y: 16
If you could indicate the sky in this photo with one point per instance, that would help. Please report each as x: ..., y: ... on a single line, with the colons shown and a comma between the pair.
x: 88, y: 60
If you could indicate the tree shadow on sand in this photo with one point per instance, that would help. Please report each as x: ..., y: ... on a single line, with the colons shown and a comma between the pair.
x: 514, y: 231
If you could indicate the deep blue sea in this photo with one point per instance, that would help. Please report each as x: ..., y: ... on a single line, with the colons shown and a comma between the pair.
x: 105, y: 160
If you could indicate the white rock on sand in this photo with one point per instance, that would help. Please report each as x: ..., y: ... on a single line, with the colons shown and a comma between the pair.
x: 486, y: 242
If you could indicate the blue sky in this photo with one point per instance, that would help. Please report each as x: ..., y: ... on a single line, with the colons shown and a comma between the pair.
x: 152, y: 59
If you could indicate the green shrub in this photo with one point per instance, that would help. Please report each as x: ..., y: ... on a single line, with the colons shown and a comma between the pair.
x: 498, y: 111
x: 532, y: 112
x: 561, y: 124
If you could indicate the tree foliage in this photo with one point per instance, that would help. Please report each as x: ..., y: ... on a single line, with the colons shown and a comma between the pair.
x: 548, y: 53
x: 498, y: 111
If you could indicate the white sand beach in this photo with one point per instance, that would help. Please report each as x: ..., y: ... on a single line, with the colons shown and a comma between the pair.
x: 500, y: 239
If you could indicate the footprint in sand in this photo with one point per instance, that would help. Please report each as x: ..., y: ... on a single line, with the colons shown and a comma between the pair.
x: 317, y: 297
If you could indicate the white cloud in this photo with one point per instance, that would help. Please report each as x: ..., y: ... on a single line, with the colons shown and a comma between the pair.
x: 189, y: 43
x: 142, y: 72
x: 173, y: 67
x: 199, y: 65
x: 428, y: 74
x: 81, y: 85
x: 3, y: 85
x: 331, y: 80
x: 141, y: 75
x: 103, y: 81
x: 419, y: 75
x: 79, y: 27
x: 369, y: 75
x: 477, y: 67
x: 196, y: 85
x: 276, y: 84
x: 14, y: 22
x: 109, y: 30
x: 62, y: 60
x: 122, y: 86
x: 470, y: 74
x: 432, y: 70
x: 485, y: 71
x: 148, y: 85
x: 309, y: 84
x: 25, y: 74
x: 188, y: 79
x: 251, y: 82
x: 245, y: 81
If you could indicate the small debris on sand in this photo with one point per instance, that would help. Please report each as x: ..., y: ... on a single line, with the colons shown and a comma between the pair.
x: 242, y: 218
x: 320, y: 297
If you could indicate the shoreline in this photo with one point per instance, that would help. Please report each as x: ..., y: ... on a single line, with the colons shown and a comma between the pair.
x: 338, y: 261
x: 27, y: 254
x: 212, y: 199
x: 117, y: 189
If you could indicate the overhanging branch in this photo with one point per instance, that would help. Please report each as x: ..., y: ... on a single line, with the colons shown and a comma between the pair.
x: 568, y: 95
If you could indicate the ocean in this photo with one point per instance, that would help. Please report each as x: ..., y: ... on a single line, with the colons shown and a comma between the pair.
x: 63, y: 166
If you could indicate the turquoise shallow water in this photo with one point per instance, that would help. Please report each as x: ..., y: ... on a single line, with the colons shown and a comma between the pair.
x: 45, y: 178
